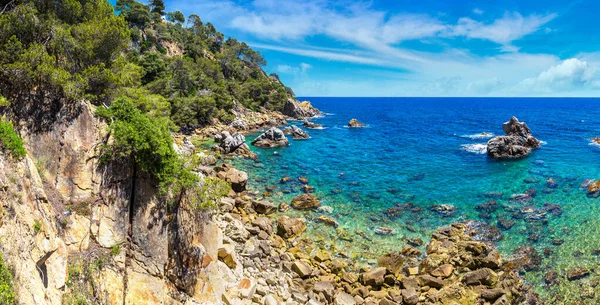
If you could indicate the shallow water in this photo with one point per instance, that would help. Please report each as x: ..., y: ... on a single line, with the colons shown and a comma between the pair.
x: 430, y: 151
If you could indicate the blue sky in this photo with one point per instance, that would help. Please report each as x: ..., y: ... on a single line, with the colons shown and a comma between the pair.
x: 420, y: 47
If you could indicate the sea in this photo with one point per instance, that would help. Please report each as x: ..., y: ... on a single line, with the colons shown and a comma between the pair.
x: 421, y: 163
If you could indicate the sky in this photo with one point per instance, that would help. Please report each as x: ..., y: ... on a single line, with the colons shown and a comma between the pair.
x: 418, y: 47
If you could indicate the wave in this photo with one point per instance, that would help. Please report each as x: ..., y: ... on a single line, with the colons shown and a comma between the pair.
x: 478, y: 136
x: 543, y: 142
x: 479, y: 148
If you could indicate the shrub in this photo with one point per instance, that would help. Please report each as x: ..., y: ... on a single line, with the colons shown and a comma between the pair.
x: 206, y: 194
x: 10, y: 140
x: 7, y: 293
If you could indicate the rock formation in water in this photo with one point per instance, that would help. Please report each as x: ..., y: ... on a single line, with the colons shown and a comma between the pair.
x: 517, y: 143
x: 354, y: 123
x: 299, y: 110
x: 271, y: 138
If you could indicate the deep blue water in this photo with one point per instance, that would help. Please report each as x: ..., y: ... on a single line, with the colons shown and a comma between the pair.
x: 413, y: 151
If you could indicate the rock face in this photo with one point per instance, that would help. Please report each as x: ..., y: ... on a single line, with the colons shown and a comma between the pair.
x: 273, y: 137
x: 299, y: 134
x: 517, y: 143
x: 354, y: 123
x: 297, y: 110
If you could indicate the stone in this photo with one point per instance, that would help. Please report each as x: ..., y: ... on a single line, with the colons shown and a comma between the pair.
x: 283, y: 207
x: 264, y: 207
x: 594, y: 189
x: 271, y: 138
x: 428, y: 280
x: 309, y: 124
x: 302, y: 269
x: 226, y: 254
x: 324, y: 287
x: 484, y: 276
x: 237, y: 178
x: 322, y: 256
x: 526, y: 257
x: 410, y: 296
x: 374, y: 277
x: 410, y: 283
x: 354, y: 123
x: 443, y: 271
x: 230, y: 143
x: 328, y: 221
x: 342, y: 298
x: 77, y: 234
x: 270, y: 300
x: 299, y: 110
x: 299, y: 134
x: 492, y: 294
x: 577, y: 273
x: 350, y: 277
x: 517, y: 143
x: 305, y: 202
x: 392, y: 261
x: 289, y: 228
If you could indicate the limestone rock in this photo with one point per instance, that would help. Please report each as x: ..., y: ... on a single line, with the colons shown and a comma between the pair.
x: 392, y: 261
x: 484, y: 276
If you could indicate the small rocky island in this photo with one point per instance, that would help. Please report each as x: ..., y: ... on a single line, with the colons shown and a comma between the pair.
x: 354, y: 123
x: 271, y: 138
x: 517, y: 143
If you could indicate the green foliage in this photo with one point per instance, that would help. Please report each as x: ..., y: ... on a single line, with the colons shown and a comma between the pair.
x: 7, y: 293
x: 115, y: 250
x: 10, y: 140
x: 4, y: 102
x: 206, y: 194
x: 37, y: 226
x: 145, y: 139
x: 176, y: 16
x: 80, y: 282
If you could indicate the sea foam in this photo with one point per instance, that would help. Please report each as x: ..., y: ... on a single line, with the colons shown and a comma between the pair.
x: 478, y: 136
x: 478, y: 148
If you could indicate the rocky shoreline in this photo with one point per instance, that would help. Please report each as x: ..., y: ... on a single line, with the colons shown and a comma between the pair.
x: 281, y: 265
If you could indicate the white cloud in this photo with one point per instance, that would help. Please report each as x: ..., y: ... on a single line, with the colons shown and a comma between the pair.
x: 478, y: 11
x: 511, y: 27
x: 570, y: 74
x: 287, y: 69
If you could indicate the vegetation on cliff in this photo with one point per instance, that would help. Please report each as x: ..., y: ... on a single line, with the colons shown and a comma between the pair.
x: 147, y: 75
x: 10, y: 140
x: 56, y: 52
x: 7, y: 294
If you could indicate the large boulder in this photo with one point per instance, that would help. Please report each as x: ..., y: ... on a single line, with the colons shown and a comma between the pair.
x: 290, y: 227
x: 298, y: 133
x: 273, y: 137
x: 517, y: 143
x: 237, y: 178
x: 230, y: 143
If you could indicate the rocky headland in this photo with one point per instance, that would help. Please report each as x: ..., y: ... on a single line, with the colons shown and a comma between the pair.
x: 517, y: 143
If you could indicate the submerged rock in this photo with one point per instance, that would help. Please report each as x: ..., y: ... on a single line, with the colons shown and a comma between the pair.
x: 594, y: 189
x: 517, y: 143
x: 305, y: 202
x: 273, y: 137
x: 355, y: 123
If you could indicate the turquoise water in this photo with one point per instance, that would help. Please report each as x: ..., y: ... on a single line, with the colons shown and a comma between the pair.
x: 427, y: 151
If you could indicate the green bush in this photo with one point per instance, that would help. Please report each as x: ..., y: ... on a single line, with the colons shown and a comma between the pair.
x: 7, y: 293
x: 145, y: 139
x: 206, y: 194
x: 10, y: 140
